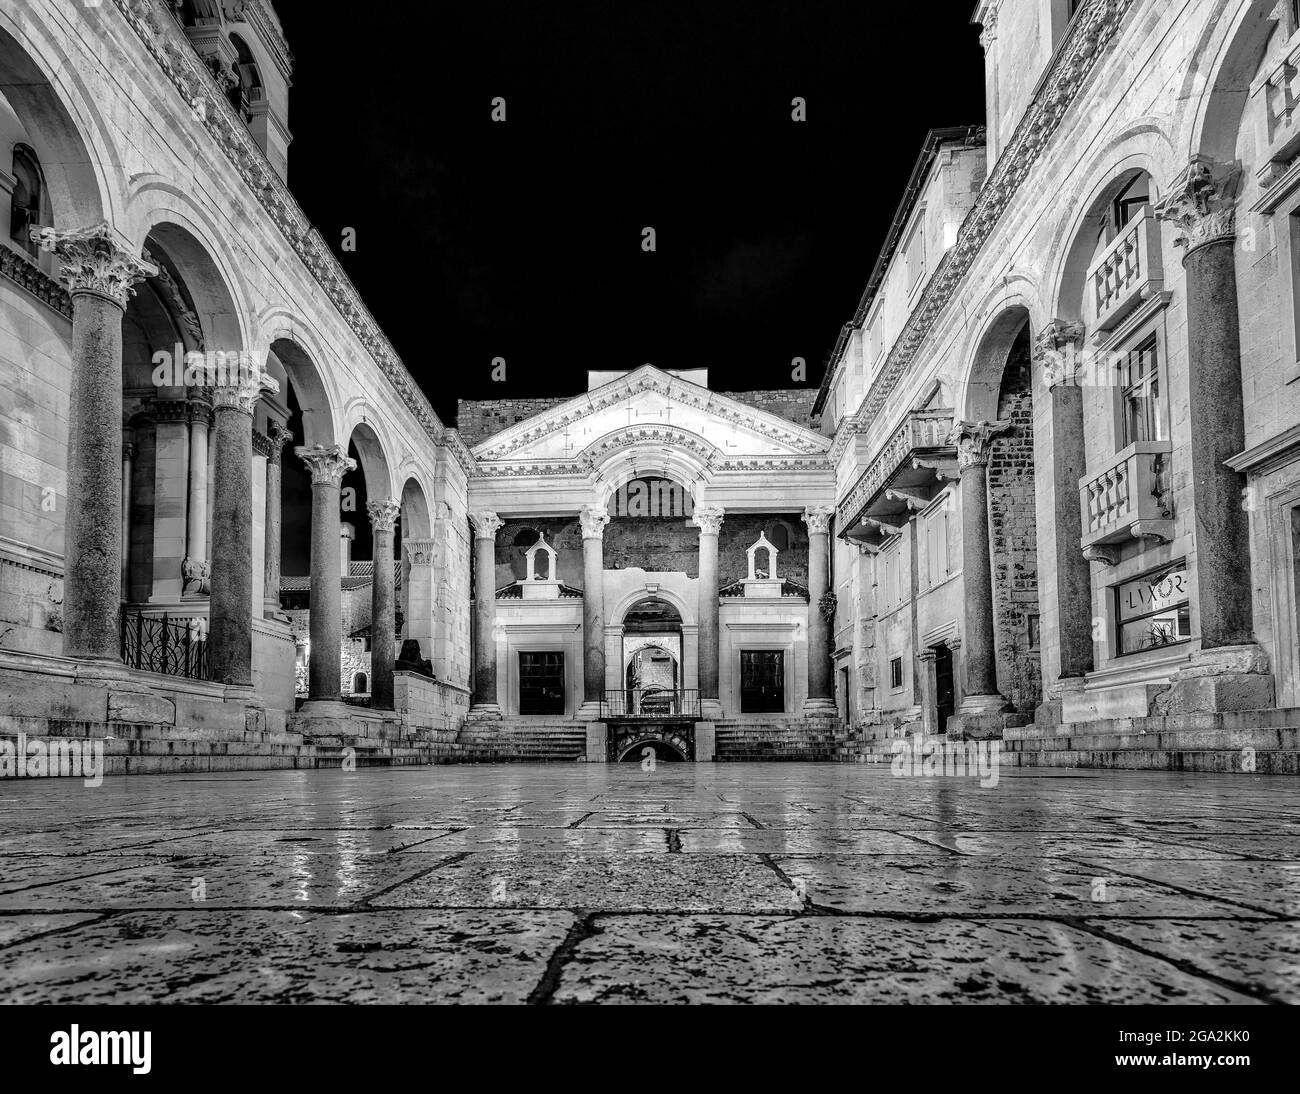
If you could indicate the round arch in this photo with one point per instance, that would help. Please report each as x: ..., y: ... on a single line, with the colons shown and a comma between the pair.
x: 685, y: 610
x: 1237, y: 44
x: 417, y: 522
x: 289, y: 360
x: 978, y: 396
x: 682, y: 457
x: 72, y: 159
x: 374, y: 461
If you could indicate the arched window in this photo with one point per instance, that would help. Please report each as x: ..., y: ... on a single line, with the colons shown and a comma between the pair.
x: 778, y: 535
x: 28, y: 198
x: 360, y: 685
x: 250, y: 79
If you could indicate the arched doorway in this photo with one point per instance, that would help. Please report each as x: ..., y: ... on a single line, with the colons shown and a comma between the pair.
x: 652, y: 658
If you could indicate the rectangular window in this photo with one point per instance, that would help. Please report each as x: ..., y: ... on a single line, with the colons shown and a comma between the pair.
x: 1154, y: 610
x: 1141, y: 395
x: 896, y: 673
x: 762, y: 681
x: 914, y: 252
x: 1132, y: 200
x: 874, y: 342
x: 936, y: 566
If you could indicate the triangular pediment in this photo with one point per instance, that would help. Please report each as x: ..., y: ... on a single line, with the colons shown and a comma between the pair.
x: 651, y: 406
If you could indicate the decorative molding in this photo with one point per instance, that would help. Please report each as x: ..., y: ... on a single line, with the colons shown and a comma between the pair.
x: 818, y: 519
x: 91, y: 260
x: 1199, y: 203
x: 327, y: 463
x: 1100, y: 552
x: 262, y: 444
x: 24, y: 273
x: 241, y: 390
x: 1089, y: 38
x: 485, y: 524
x: 278, y: 436
x: 419, y: 552
x: 184, y: 313
x: 1057, y: 350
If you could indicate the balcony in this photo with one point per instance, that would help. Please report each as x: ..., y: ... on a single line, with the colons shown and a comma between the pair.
x: 1279, y: 120
x: 1130, y: 499
x: 1127, y: 273
x: 923, y: 433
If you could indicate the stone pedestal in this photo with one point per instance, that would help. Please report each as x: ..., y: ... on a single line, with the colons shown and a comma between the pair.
x: 486, y: 703
x: 973, y: 441
x: 230, y: 633
x: 708, y: 518
x: 99, y: 275
x: 821, y: 695
x: 327, y: 464
x: 593, y: 519
x: 383, y: 608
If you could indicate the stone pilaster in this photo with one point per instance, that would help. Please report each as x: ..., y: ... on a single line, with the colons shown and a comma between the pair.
x: 383, y: 620
x: 327, y: 464
x: 974, y: 441
x: 821, y: 697
x: 230, y: 630
x: 1057, y: 352
x: 486, y: 704
x: 98, y: 274
x: 1231, y: 671
x: 708, y: 518
x: 279, y: 436
x: 593, y: 519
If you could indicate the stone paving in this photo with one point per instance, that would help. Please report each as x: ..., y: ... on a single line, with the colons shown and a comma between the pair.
x: 692, y: 883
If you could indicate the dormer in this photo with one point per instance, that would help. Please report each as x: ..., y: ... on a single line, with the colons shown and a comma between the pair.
x: 244, y: 47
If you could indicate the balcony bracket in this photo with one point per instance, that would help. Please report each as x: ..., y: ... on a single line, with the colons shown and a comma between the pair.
x: 1098, y: 552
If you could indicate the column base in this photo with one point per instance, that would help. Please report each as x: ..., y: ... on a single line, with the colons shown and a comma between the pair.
x: 1224, y: 678
x: 983, y: 704
x: 588, y: 712
x: 820, y: 708
x: 711, y: 709
x: 320, y: 708
x: 109, y: 672
x: 484, y: 712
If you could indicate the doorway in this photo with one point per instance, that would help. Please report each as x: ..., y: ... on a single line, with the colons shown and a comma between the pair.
x: 945, y: 695
x: 541, y: 682
x: 762, y: 681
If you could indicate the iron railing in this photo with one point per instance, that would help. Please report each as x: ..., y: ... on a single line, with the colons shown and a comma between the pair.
x: 651, y: 703
x: 159, y: 643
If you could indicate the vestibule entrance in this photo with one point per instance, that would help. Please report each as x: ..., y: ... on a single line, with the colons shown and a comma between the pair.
x: 652, y: 664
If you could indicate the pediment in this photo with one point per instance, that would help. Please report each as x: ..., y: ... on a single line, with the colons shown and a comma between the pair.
x: 649, y: 406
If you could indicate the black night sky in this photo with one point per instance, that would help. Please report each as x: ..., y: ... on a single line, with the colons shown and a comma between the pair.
x: 523, y: 240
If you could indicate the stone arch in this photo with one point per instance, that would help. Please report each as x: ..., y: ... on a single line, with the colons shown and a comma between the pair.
x: 415, y: 598
x: 685, y: 609
x: 983, y: 378
x: 687, y: 466
x: 1237, y: 43
x: 290, y: 359
x: 72, y: 158
x: 373, y: 462
x: 417, y: 520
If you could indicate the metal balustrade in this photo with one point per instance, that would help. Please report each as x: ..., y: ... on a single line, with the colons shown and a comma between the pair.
x: 651, y: 703
x: 159, y: 643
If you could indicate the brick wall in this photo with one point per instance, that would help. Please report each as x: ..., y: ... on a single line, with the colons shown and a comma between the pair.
x: 1013, y: 536
x: 478, y: 419
x: 792, y: 404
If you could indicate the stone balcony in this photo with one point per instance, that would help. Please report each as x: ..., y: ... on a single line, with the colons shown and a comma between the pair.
x: 903, y: 468
x: 1127, y: 273
x: 1277, y: 91
x: 1128, y: 499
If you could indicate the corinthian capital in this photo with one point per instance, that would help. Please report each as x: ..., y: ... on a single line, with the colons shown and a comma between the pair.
x: 818, y: 519
x: 1057, y: 351
x: 383, y: 514
x: 91, y: 261
x: 708, y: 518
x: 485, y: 524
x: 279, y: 435
x: 239, y: 385
x: 974, y: 440
x: 593, y: 519
x: 328, y: 463
x: 1200, y: 203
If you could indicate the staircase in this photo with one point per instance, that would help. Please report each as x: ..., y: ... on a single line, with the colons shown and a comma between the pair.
x: 520, y: 740
x: 791, y: 739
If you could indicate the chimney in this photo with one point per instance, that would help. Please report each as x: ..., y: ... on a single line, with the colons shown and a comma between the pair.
x: 348, y: 534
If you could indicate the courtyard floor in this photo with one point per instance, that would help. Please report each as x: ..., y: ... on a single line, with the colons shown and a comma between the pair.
x: 694, y: 882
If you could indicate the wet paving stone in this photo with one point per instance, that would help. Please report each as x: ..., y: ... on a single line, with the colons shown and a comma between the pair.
x: 703, y: 882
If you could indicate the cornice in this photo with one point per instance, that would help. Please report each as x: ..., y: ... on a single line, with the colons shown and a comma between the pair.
x: 1090, y: 35
x: 181, y: 64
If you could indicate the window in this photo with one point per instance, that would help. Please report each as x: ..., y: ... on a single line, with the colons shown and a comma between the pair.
x: 874, y: 342
x: 936, y: 563
x: 541, y: 682
x: 29, y: 192
x: 1154, y: 610
x: 889, y: 579
x: 914, y: 252
x: 778, y: 535
x: 762, y: 681
x: 896, y: 674
x: 1141, y: 399
x: 1130, y: 202
x: 360, y: 685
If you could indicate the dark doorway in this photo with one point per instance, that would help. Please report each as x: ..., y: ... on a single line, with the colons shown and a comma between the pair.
x: 945, y: 695
x: 762, y: 681
x: 541, y: 682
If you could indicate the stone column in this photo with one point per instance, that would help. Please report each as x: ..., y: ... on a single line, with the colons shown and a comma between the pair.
x: 1231, y: 671
x: 974, y: 441
x: 99, y: 275
x: 383, y: 620
x: 128, y: 461
x: 486, y: 703
x: 279, y: 437
x: 1057, y: 351
x: 230, y: 630
x: 593, y: 519
x: 196, y: 553
x: 821, y: 696
x: 327, y: 464
x: 708, y: 518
